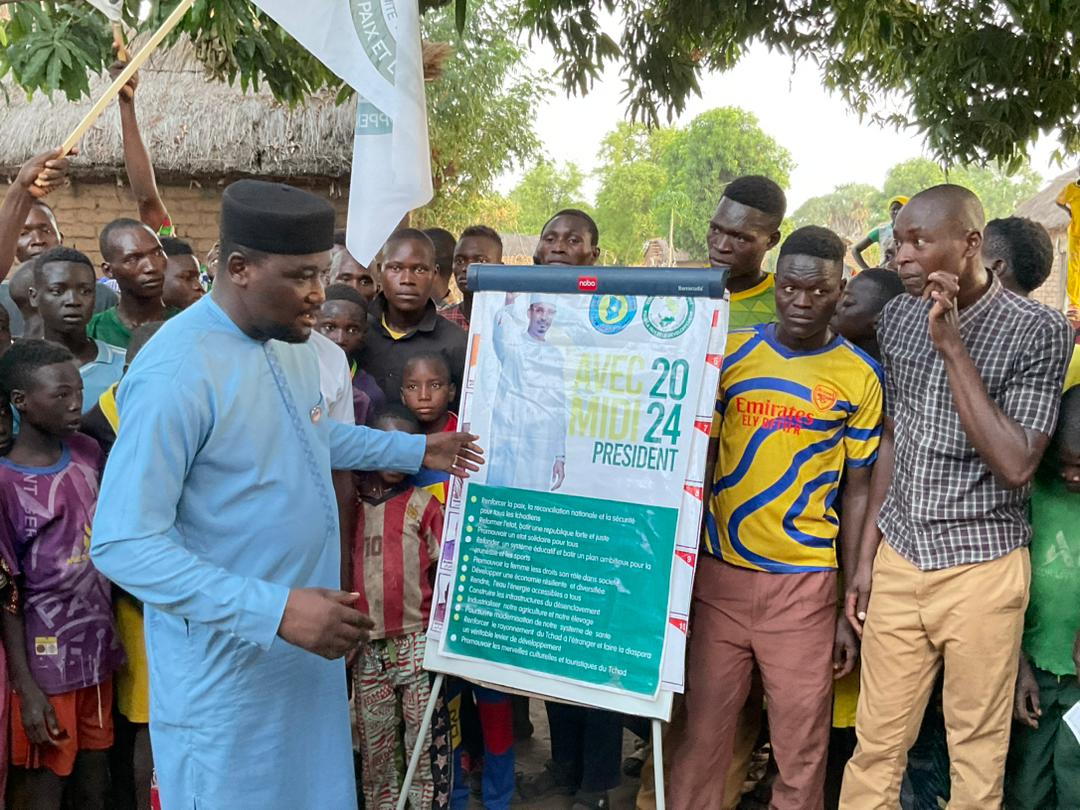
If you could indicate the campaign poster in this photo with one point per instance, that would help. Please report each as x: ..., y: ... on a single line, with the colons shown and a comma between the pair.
x: 568, y: 560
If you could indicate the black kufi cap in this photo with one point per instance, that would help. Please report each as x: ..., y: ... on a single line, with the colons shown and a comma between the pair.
x: 276, y: 218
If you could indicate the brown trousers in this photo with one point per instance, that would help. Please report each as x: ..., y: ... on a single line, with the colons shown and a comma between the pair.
x: 970, y: 619
x: 786, y: 624
x: 747, y: 731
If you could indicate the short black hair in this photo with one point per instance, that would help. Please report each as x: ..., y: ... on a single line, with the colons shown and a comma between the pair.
x: 1067, y: 434
x: 48, y: 210
x: 121, y: 224
x: 226, y: 249
x: 887, y: 285
x: 20, y: 282
x: 176, y: 247
x: 409, y: 235
x: 1026, y: 248
x: 483, y: 231
x: 139, y: 337
x: 59, y: 255
x: 758, y: 191
x: 814, y: 240
x: 339, y: 236
x: 397, y: 412
x: 445, y: 243
x: 19, y: 363
x: 343, y: 292
x: 590, y: 223
x: 436, y: 358
x: 5, y: 316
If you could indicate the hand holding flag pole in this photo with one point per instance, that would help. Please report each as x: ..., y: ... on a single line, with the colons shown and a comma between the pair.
x: 122, y: 79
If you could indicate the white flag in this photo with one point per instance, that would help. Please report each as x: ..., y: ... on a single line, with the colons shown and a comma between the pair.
x: 374, y: 45
x: 113, y: 9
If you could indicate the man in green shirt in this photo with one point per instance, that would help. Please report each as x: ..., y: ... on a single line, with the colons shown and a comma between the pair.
x: 1044, y: 756
x: 745, y: 227
x: 133, y: 257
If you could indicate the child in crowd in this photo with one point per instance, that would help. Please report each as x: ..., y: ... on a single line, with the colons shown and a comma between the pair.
x: 427, y: 391
x: 1044, y: 757
x: 343, y: 318
x: 132, y: 763
x: 63, y: 294
x: 7, y: 439
x: 403, y: 317
x: 396, y: 547
x: 183, y: 275
x: 863, y: 299
x: 58, y: 630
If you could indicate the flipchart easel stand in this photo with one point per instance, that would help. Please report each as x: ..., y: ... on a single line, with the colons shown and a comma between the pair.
x: 425, y: 726
x: 698, y: 282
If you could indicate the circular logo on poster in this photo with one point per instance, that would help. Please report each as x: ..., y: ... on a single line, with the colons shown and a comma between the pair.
x: 610, y: 314
x: 667, y: 318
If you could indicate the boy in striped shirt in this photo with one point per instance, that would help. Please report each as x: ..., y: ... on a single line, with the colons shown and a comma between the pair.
x: 395, y: 550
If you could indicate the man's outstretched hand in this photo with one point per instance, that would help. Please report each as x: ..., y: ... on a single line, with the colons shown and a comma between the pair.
x: 324, y: 622
x: 455, y: 453
x: 44, y: 173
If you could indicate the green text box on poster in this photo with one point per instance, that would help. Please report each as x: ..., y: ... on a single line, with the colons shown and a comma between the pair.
x: 567, y: 586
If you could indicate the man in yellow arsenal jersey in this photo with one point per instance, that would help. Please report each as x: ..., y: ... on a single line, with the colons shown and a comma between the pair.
x: 799, y: 410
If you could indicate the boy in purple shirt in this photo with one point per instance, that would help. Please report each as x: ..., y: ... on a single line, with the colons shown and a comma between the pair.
x: 58, y: 631
x: 343, y: 318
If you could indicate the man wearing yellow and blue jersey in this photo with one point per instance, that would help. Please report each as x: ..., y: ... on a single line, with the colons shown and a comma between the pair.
x: 799, y: 410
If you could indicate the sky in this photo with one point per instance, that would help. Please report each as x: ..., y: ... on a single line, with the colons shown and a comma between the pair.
x: 827, y: 141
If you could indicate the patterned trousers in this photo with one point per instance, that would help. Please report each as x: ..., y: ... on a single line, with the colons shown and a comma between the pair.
x: 392, y: 688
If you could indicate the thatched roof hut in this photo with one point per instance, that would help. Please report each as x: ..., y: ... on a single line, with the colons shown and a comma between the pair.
x: 1043, y: 207
x: 193, y: 126
x: 201, y: 134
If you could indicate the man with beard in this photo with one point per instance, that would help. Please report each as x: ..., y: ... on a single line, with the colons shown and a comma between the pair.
x: 218, y: 513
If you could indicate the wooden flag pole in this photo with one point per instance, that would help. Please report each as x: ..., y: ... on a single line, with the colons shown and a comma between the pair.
x: 114, y: 89
x: 118, y: 41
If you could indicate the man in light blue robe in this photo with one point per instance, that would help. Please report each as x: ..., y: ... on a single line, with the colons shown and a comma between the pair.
x: 217, y: 511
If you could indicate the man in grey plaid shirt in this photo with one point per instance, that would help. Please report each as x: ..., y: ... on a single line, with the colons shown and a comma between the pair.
x: 973, y: 382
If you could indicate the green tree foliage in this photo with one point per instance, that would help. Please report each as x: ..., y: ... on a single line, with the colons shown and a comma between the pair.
x: 999, y: 191
x: 480, y: 114
x: 712, y: 150
x: 853, y: 209
x: 632, y: 183
x: 981, y: 79
x: 850, y: 210
x: 545, y: 189
x: 653, y: 181
x: 479, y: 110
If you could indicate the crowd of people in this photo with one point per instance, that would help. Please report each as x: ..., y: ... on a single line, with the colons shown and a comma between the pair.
x: 201, y: 551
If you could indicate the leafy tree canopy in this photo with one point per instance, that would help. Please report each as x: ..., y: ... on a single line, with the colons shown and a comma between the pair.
x: 667, y: 180
x: 981, y: 79
x: 545, y: 189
